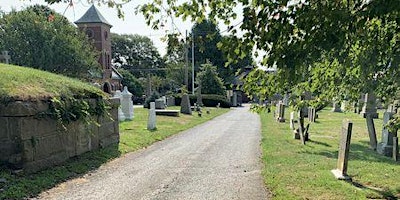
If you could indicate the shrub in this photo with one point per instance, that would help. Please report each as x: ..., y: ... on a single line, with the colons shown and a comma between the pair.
x: 152, y: 98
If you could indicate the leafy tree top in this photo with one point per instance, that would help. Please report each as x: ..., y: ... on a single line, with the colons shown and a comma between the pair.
x: 63, y: 49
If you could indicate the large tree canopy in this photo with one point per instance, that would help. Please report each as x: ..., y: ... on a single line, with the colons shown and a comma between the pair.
x: 136, y: 54
x: 38, y: 37
x: 356, y: 40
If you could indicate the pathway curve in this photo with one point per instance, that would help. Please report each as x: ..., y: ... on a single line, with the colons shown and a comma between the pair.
x: 219, y: 159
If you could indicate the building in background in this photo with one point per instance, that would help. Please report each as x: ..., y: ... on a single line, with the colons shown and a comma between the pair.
x: 97, y: 29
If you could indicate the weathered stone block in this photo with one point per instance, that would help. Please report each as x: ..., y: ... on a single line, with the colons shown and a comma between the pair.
x: 113, y: 139
x: 106, y: 129
x: 44, y: 163
x: 69, y: 142
x: 7, y: 149
x: 22, y: 108
x: 4, y: 135
x: 49, y: 145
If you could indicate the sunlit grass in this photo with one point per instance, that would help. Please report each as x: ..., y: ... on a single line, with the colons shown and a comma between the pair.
x: 295, y: 171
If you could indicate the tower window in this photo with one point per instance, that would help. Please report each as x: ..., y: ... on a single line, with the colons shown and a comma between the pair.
x: 90, y: 33
x: 105, y: 35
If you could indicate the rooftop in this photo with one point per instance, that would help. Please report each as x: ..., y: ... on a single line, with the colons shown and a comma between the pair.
x: 92, y: 16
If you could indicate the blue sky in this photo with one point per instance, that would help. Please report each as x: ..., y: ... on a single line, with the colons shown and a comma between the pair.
x: 131, y: 24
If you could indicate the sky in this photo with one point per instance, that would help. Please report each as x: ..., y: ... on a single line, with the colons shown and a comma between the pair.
x: 131, y: 24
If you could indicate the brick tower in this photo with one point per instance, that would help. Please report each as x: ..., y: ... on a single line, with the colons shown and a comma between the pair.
x: 97, y: 29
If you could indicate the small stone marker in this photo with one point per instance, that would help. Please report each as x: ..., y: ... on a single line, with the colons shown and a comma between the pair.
x: 385, y: 147
x: 185, y: 105
x: 395, y: 148
x: 4, y: 57
x: 336, y: 107
x: 371, y: 132
x: 344, y: 148
x: 127, y: 104
x: 151, y: 123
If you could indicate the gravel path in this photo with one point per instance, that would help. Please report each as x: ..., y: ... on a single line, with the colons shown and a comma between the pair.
x: 219, y: 159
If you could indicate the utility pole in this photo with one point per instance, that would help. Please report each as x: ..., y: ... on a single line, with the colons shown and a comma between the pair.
x: 192, y: 63
x: 186, y: 62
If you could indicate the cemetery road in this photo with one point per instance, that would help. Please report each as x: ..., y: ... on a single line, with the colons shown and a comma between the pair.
x: 219, y: 159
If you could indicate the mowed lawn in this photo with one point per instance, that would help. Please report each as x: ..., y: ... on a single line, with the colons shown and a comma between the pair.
x: 133, y: 136
x: 296, y: 171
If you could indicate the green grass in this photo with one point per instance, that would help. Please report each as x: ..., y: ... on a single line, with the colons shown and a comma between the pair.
x: 23, y: 83
x: 134, y: 135
x: 295, y: 171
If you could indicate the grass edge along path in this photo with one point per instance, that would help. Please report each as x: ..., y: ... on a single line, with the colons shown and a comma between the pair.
x: 295, y: 171
x: 133, y: 136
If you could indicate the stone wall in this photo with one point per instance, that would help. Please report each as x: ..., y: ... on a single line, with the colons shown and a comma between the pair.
x: 32, y: 143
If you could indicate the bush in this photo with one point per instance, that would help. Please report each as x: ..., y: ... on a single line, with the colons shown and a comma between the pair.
x: 209, y: 100
x: 152, y: 98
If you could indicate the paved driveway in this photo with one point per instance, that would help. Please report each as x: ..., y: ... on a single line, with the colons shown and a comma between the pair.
x: 219, y: 159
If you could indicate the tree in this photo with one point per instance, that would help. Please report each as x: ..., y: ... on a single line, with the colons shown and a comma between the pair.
x: 358, y: 39
x: 136, y: 54
x: 133, y: 84
x: 209, y: 80
x: 40, y: 38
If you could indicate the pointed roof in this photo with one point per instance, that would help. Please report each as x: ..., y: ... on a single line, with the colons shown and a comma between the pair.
x: 92, y: 16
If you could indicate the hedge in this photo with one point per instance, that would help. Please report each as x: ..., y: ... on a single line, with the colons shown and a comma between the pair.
x: 209, y: 100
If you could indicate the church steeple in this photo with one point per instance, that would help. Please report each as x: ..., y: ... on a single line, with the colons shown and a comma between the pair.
x: 92, y: 16
x: 97, y: 28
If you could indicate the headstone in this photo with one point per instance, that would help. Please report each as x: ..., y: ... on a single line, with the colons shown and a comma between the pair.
x: 234, y: 99
x: 371, y: 132
x: 311, y: 114
x: 355, y: 107
x: 4, y: 57
x: 280, y: 115
x: 286, y: 99
x: 121, y: 116
x: 170, y: 101
x: 151, y: 123
x: 343, y: 106
x: 292, y: 121
x: 395, y: 148
x: 336, y: 107
x: 391, y: 108
x: 306, y: 96
x: 164, y: 100
x: 127, y: 104
x: 369, y: 106
x: 379, y: 104
x: 185, y: 105
x: 385, y: 147
x: 344, y: 148
x: 160, y: 104
x: 301, y: 133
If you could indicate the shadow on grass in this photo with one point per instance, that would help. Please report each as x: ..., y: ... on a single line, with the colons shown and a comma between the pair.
x: 357, y: 152
x: 319, y: 143
x: 383, y: 193
x: 22, y: 185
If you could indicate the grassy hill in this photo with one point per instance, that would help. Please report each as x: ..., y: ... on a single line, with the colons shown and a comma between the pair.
x: 23, y: 83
